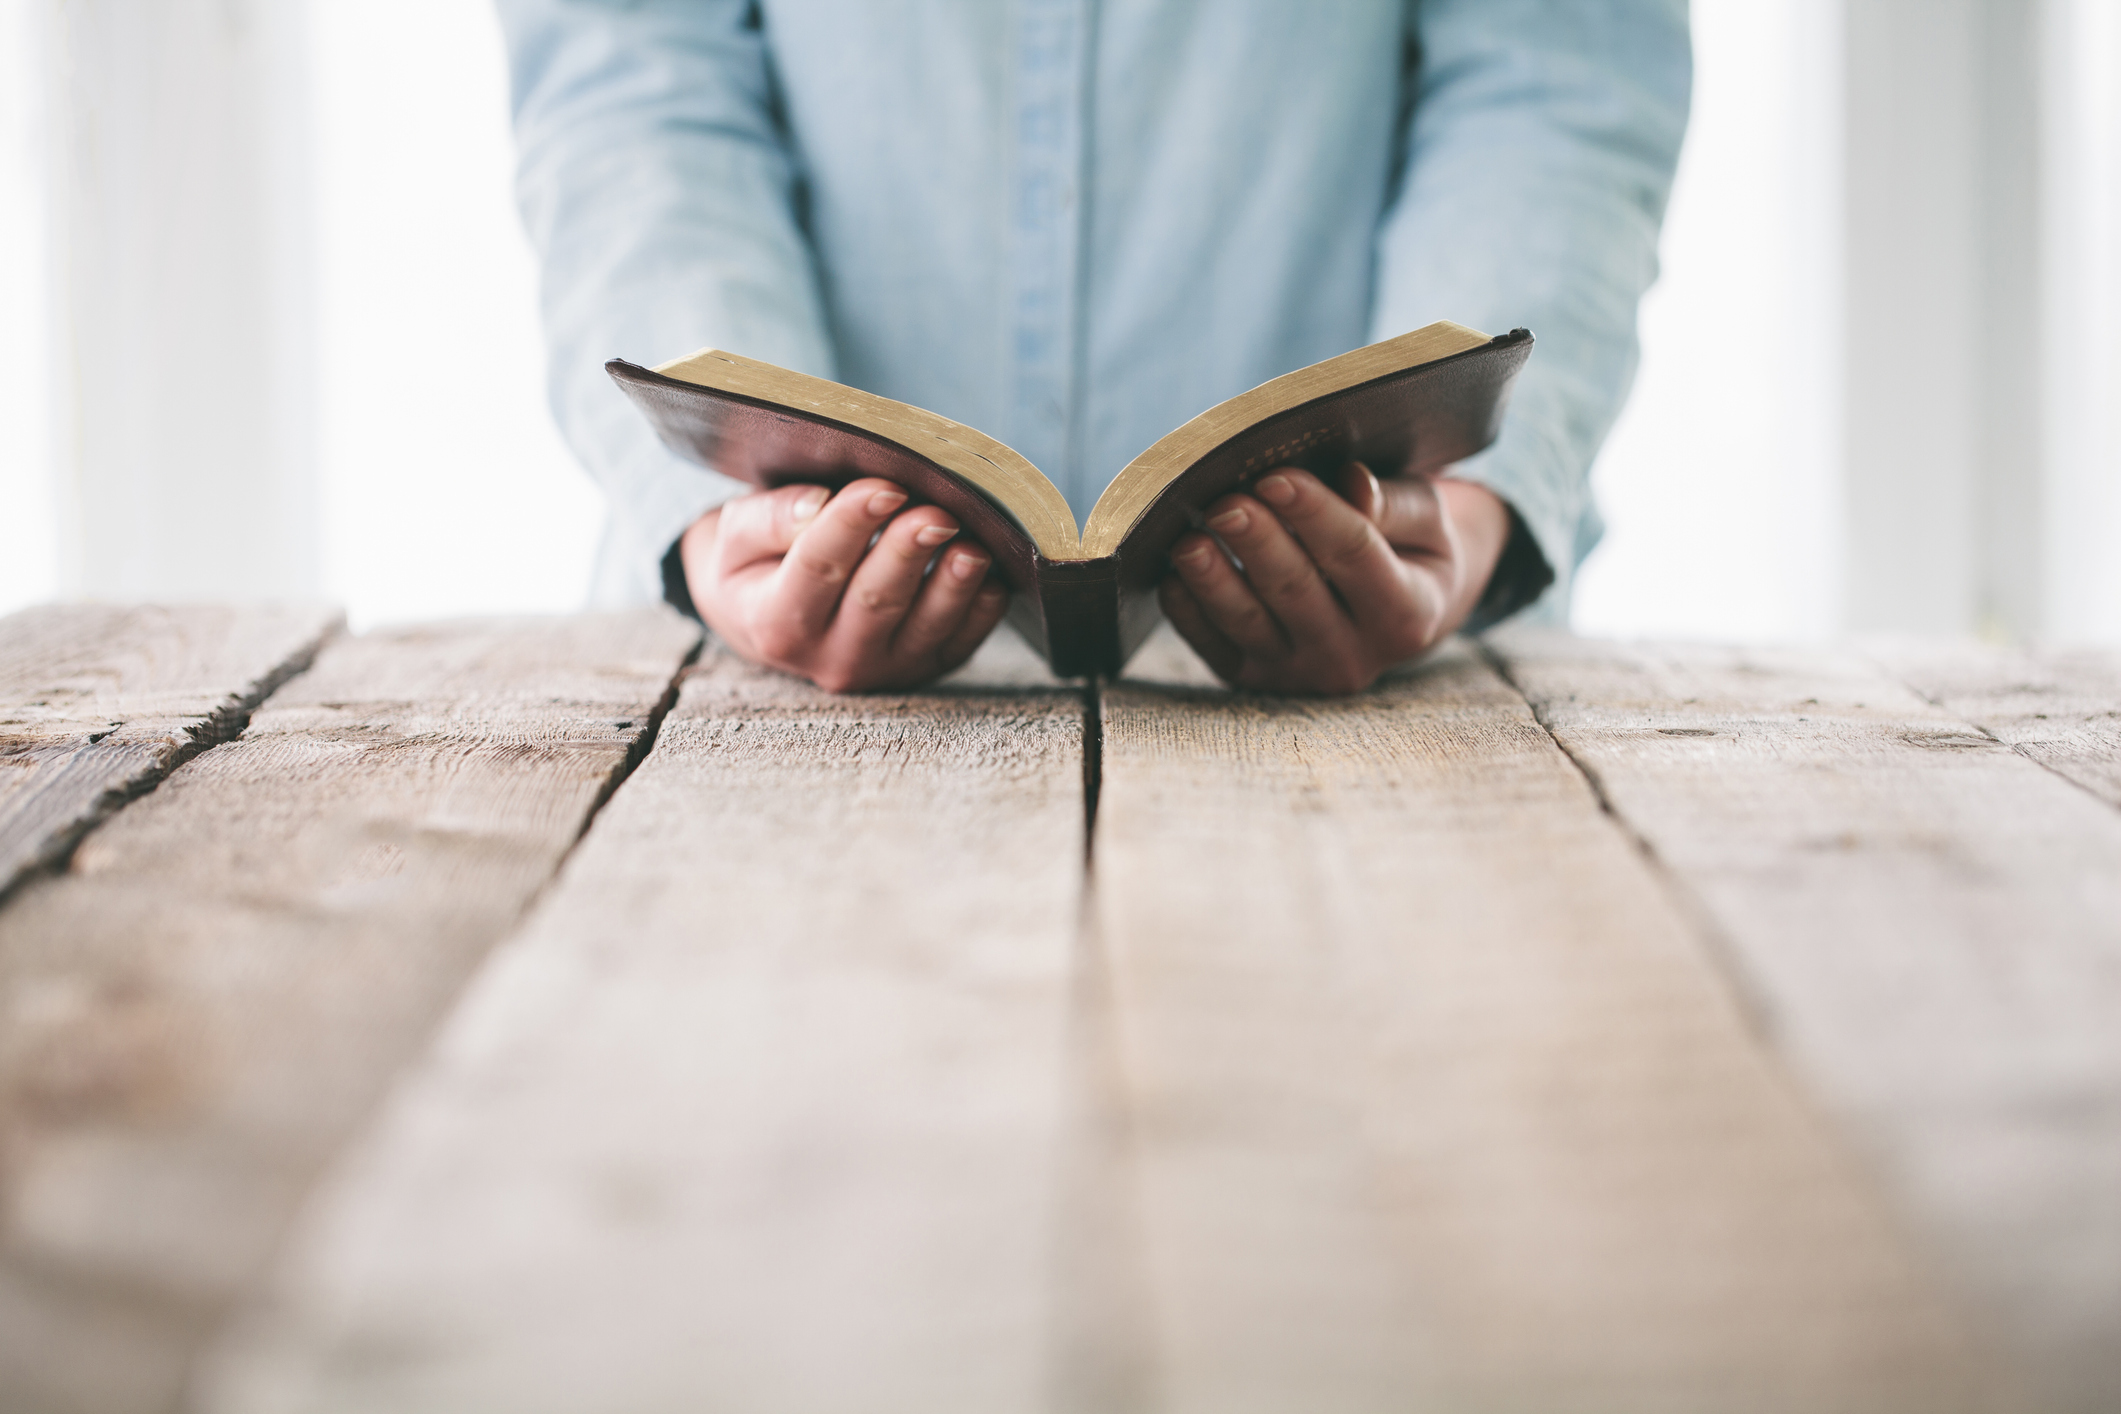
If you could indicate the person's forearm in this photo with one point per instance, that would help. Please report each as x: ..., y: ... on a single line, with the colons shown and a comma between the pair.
x: 657, y: 189
x: 1541, y: 148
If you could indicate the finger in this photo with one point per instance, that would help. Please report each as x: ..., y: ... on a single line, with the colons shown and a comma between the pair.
x: 1360, y: 488
x: 763, y: 525
x: 1412, y: 518
x: 944, y: 600
x: 886, y: 582
x: 1344, y: 546
x: 814, y: 573
x: 1223, y: 657
x: 988, y: 607
x: 1226, y: 599
x: 1281, y: 569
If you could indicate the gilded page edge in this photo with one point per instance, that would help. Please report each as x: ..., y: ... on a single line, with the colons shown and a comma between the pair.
x: 999, y: 471
x: 1142, y: 480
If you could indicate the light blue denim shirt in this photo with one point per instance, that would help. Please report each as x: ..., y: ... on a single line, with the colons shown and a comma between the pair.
x: 1073, y: 224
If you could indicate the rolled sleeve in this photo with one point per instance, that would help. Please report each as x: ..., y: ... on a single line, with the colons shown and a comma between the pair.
x: 1538, y: 157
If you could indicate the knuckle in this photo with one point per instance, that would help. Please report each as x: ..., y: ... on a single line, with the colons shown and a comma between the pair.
x: 1405, y: 640
x: 883, y: 603
x: 1336, y: 676
x: 1406, y: 632
x: 818, y: 567
x: 1290, y: 583
x: 740, y: 521
x: 777, y: 641
x: 1350, y: 545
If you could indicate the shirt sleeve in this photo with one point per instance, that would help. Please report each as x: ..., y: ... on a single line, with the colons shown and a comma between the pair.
x: 1537, y: 158
x: 661, y: 195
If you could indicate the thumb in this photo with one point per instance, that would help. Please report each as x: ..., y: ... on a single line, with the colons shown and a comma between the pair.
x: 1410, y: 515
x: 764, y: 525
x: 1359, y: 488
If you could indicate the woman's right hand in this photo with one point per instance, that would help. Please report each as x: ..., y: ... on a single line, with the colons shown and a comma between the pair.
x: 801, y: 580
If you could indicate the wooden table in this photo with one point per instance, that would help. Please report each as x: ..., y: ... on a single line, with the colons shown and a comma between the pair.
x: 555, y: 1015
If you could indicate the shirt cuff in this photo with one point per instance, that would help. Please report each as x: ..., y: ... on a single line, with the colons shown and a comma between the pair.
x: 1522, y: 573
x: 661, y: 505
x: 1531, y: 471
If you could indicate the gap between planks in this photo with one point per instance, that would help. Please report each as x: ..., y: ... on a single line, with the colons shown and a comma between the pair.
x: 206, y: 1004
x: 762, y: 1108
x: 1093, y: 763
x: 1928, y: 921
x: 1202, y: 1312
x: 1324, y: 1126
x: 2060, y: 707
x: 99, y: 703
x: 1757, y: 1009
x: 1434, y: 1100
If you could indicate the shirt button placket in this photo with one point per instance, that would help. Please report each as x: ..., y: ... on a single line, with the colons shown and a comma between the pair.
x: 1052, y: 54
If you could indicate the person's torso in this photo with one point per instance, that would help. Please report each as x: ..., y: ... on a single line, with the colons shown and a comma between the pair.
x: 1072, y: 224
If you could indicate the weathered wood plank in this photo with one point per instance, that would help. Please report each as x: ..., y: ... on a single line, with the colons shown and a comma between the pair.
x: 98, y: 702
x: 197, y: 1012
x: 1437, y: 1102
x: 2059, y: 707
x: 1930, y: 926
x: 761, y: 1110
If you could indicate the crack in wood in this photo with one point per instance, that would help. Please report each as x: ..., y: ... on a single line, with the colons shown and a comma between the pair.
x: 1907, y: 669
x: 1753, y: 1004
x: 1093, y: 760
x: 222, y: 722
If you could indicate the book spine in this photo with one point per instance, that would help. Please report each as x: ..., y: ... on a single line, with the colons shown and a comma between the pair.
x: 1079, y: 606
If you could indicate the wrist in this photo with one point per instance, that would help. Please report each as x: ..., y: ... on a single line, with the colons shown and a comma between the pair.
x: 1480, y: 525
x: 690, y: 564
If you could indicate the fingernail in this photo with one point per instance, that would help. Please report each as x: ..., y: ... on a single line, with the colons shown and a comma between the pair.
x: 1276, y: 490
x: 968, y: 565
x: 1373, y: 491
x: 928, y: 536
x: 1230, y: 521
x: 992, y: 594
x: 883, y: 503
x: 809, y: 504
x: 1196, y: 556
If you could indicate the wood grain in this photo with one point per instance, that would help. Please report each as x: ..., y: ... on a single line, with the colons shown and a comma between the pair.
x: 2060, y: 707
x: 763, y: 1108
x: 99, y: 702
x: 1929, y: 925
x: 198, y: 1011
x: 1435, y: 1101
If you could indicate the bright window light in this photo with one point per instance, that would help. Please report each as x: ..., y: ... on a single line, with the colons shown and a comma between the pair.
x: 29, y: 570
x: 445, y: 487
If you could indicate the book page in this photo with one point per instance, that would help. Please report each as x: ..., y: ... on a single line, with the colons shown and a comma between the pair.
x: 1142, y: 480
x: 998, y: 471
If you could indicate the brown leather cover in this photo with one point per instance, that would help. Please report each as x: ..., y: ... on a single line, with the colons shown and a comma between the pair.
x: 1088, y: 616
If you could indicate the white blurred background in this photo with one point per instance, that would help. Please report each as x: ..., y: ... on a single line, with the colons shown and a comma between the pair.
x: 267, y: 322
x: 411, y: 400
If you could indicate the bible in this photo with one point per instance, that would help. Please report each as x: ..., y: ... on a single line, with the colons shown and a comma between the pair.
x: 1086, y: 597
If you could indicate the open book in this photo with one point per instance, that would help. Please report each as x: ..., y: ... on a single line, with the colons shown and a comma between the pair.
x: 1086, y: 599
